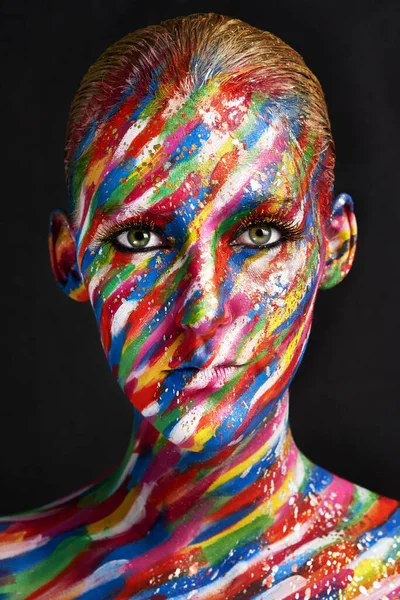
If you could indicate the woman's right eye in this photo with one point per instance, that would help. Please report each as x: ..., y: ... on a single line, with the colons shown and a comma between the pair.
x: 138, y: 239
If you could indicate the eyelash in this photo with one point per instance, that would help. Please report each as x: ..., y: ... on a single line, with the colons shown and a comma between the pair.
x: 111, y: 232
x: 288, y: 230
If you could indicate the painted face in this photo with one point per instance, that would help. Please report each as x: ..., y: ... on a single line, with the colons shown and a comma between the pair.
x: 199, y: 237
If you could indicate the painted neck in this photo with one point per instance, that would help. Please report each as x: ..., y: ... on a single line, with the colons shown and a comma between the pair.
x: 262, y: 469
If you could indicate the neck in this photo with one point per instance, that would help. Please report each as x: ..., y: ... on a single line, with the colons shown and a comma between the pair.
x: 199, y: 492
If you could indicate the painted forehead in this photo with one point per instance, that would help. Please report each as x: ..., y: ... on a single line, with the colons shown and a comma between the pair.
x: 212, y: 146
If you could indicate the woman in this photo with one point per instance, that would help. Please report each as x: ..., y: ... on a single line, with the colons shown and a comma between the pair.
x: 202, y: 223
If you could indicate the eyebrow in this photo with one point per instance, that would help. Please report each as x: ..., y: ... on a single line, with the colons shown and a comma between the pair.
x: 163, y: 215
x: 129, y: 211
x: 255, y: 202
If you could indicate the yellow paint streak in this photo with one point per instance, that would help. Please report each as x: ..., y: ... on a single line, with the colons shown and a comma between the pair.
x: 289, y: 165
x: 152, y: 374
x: 241, y: 467
x: 206, y: 167
x: 202, y: 437
x: 271, y: 505
x: 96, y: 171
x: 280, y: 314
x: 195, y: 227
x: 276, y: 319
x: 201, y: 217
x: 365, y: 573
x: 115, y: 517
x: 290, y: 350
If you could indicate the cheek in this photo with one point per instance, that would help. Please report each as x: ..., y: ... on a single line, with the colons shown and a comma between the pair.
x: 116, y: 282
x: 280, y: 286
x: 281, y: 275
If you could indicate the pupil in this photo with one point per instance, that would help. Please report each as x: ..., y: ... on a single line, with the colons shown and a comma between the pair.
x: 260, y: 234
x: 138, y: 237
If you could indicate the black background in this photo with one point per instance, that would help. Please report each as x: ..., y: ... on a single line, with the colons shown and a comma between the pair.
x: 63, y: 419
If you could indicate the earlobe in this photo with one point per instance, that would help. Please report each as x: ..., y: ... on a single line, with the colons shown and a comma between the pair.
x: 62, y: 250
x: 341, y: 238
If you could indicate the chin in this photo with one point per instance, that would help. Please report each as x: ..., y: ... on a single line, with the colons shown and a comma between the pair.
x: 200, y: 440
x: 204, y: 416
x: 204, y: 429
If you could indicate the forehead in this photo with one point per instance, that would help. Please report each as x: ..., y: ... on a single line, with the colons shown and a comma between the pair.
x: 212, y: 146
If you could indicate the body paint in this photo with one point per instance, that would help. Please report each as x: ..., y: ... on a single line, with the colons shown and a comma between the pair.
x: 167, y: 312
x: 213, y: 499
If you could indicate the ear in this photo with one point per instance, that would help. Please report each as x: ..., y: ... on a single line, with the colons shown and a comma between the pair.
x: 63, y: 257
x: 341, y: 237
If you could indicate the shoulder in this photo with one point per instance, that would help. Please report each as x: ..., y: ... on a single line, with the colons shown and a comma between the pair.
x: 357, y: 536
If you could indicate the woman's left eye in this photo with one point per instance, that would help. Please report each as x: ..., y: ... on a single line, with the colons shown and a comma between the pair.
x: 262, y: 235
x: 138, y: 238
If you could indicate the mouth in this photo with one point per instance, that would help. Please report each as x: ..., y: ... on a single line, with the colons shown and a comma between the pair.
x: 212, y: 377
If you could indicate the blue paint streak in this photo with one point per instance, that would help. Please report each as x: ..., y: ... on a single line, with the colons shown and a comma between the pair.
x: 223, y: 524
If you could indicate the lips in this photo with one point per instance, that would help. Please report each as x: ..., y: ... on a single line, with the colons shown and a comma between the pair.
x: 212, y: 377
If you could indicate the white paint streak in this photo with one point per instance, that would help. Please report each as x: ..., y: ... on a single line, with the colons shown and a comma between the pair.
x: 378, y: 550
x: 121, y: 316
x: 242, y: 175
x: 96, y: 279
x: 230, y: 340
x: 14, y: 549
x: 105, y: 573
x: 187, y: 426
x: 128, y: 469
x: 135, y: 514
x: 283, y: 589
x: 128, y: 138
x: 151, y: 410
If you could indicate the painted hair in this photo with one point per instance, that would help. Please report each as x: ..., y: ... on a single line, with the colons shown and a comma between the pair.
x: 183, y: 53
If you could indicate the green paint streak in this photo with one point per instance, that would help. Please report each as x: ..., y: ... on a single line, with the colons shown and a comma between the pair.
x: 99, y: 261
x: 161, y: 423
x: 358, y: 508
x: 256, y: 328
x: 188, y: 112
x: 150, y: 108
x: 219, y: 502
x: 128, y: 355
x: 199, y: 310
x: 159, y: 445
x: 177, y: 176
x: 230, y: 221
x: 333, y: 277
x: 217, y: 396
x: 117, y: 279
x: 189, y: 109
x: 33, y: 579
x: 309, y: 467
x: 132, y: 350
x: 309, y: 152
x: 221, y: 548
x: 79, y: 173
x: 118, y: 195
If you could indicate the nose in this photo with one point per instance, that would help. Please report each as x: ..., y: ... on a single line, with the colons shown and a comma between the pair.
x: 202, y: 306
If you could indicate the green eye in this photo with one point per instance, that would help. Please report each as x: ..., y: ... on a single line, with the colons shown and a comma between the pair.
x: 262, y: 235
x: 138, y: 238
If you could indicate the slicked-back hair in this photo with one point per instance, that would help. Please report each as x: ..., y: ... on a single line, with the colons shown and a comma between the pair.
x: 186, y: 52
